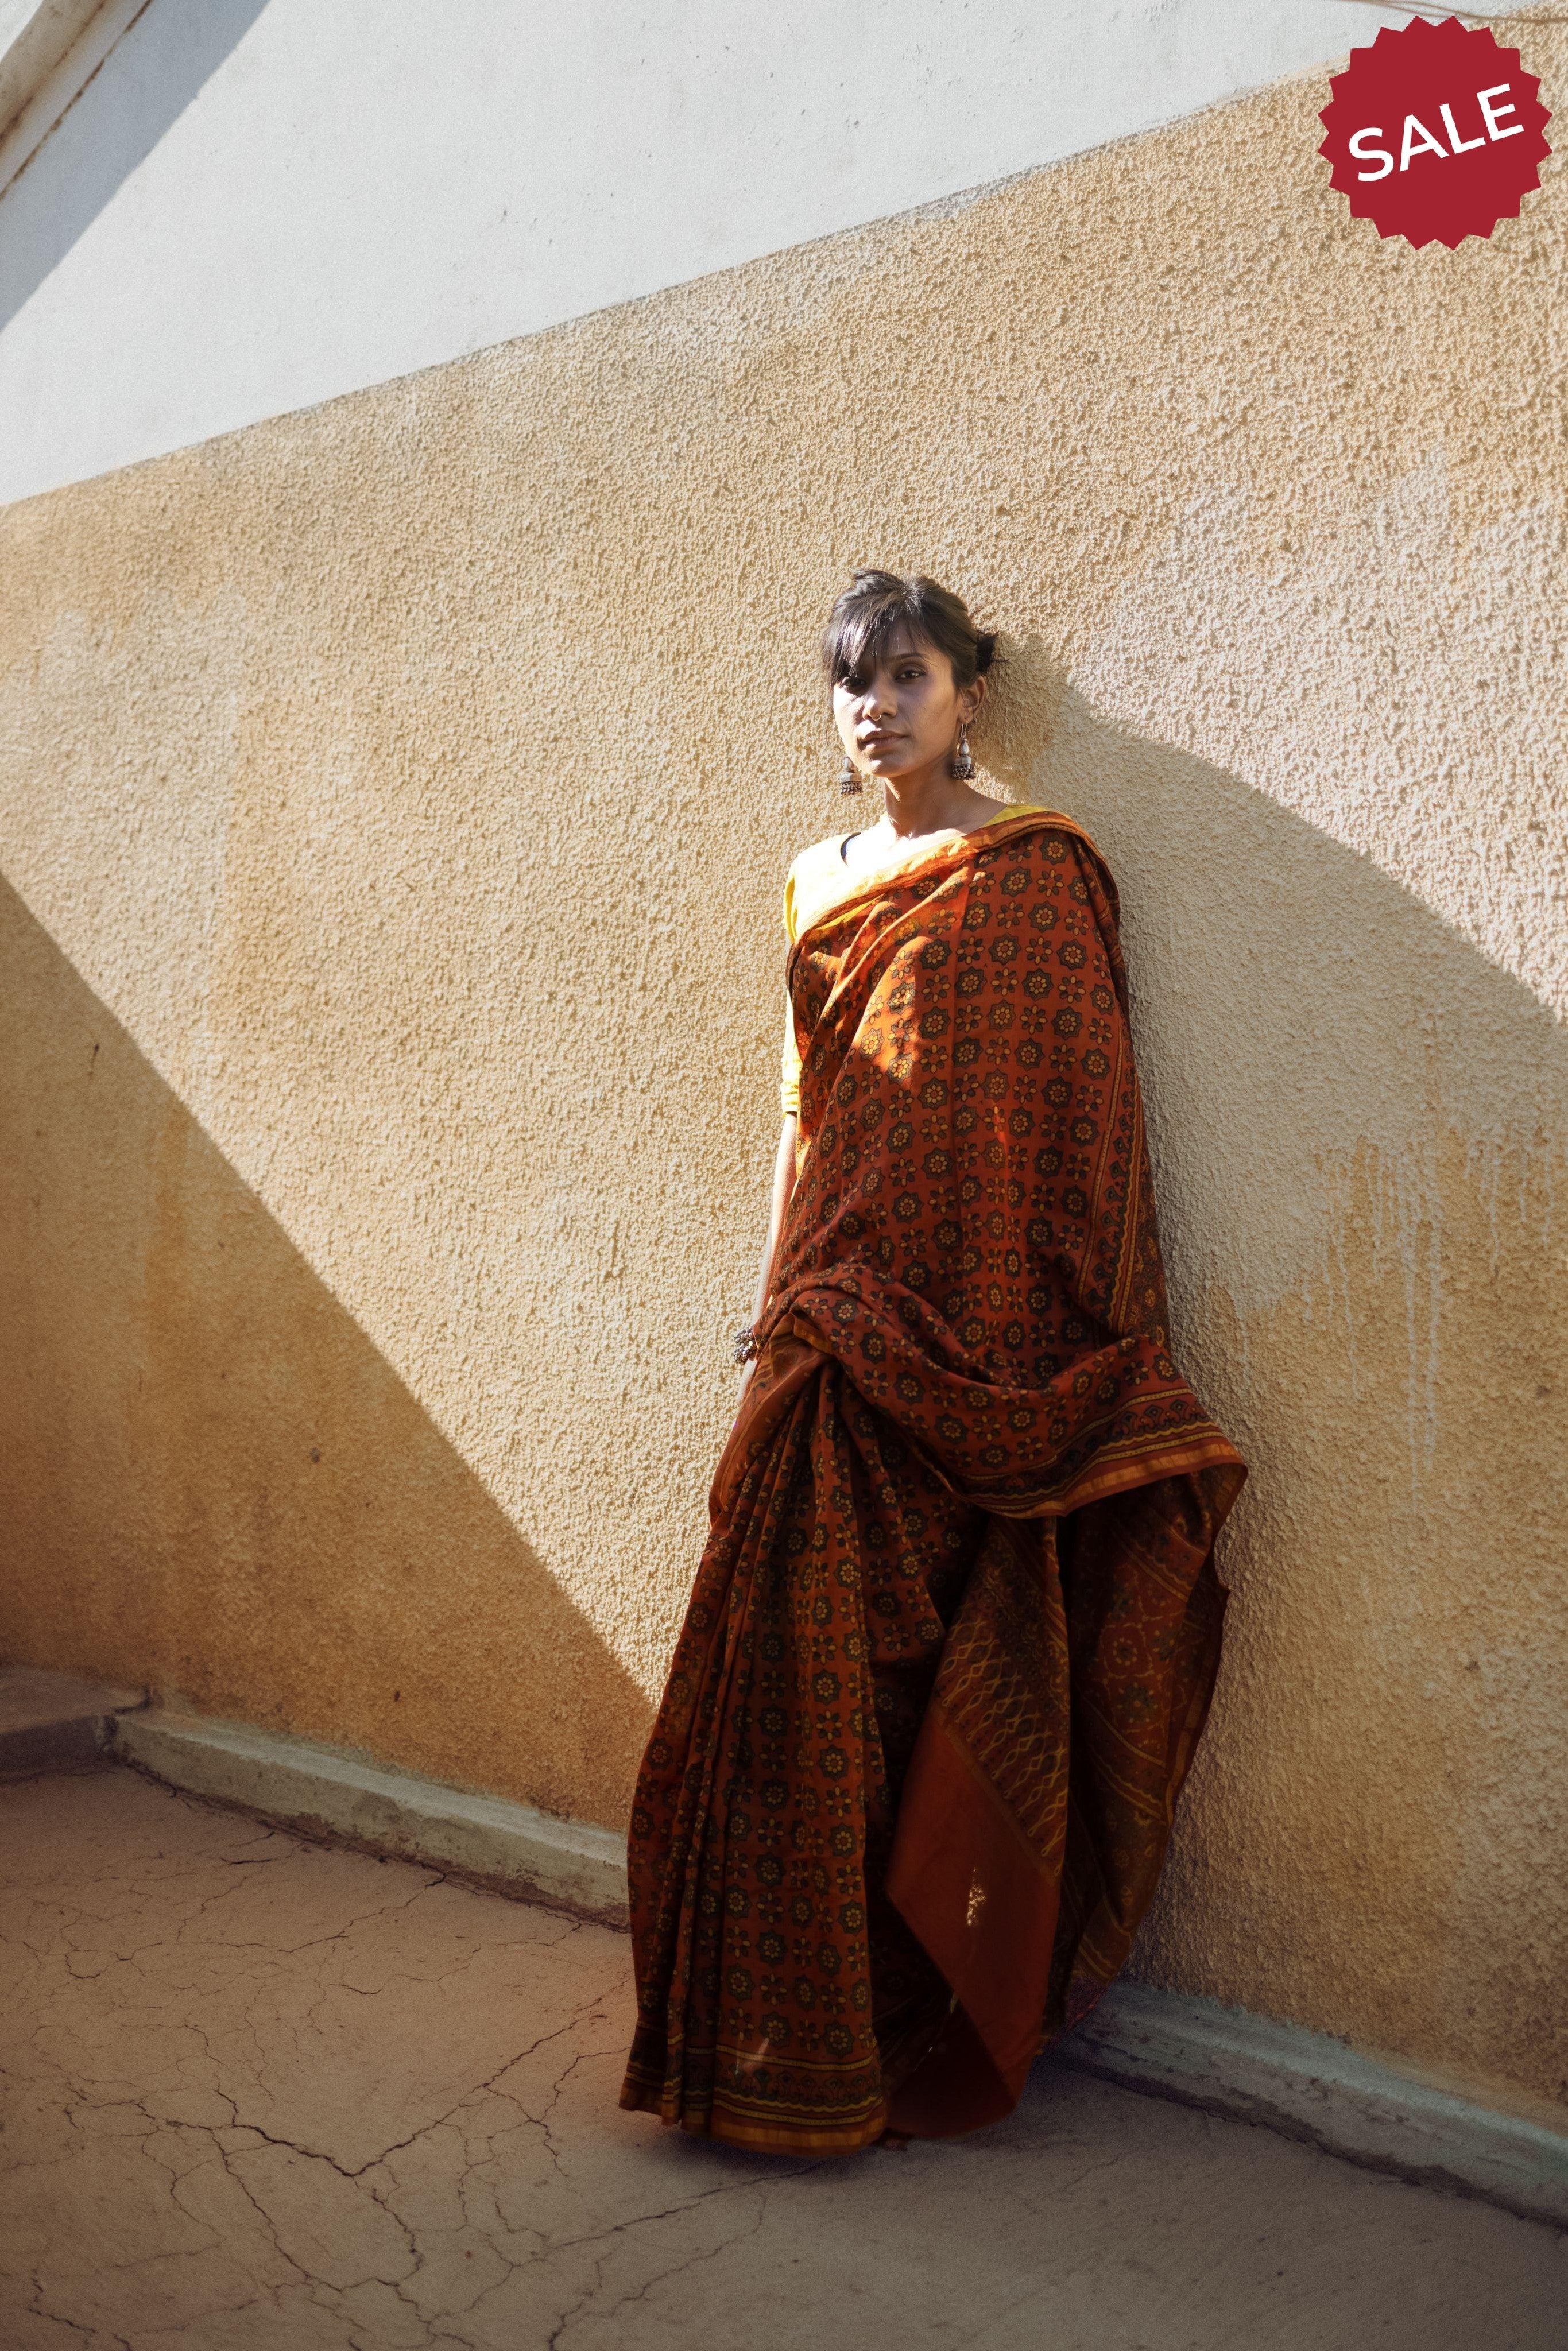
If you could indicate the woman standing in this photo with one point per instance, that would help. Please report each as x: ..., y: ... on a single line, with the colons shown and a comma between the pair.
x: 954, y: 1634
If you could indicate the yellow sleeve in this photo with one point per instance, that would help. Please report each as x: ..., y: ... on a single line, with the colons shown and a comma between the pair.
x: 789, y: 1067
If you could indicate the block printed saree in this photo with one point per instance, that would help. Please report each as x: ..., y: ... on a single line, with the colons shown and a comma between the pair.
x: 952, y: 1641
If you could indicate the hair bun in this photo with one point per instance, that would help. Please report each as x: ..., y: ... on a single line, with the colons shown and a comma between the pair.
x: 984, y: 650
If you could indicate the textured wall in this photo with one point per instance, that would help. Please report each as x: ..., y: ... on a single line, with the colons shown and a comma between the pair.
x: 399, y: 796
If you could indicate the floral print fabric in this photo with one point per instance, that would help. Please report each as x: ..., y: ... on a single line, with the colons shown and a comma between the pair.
x: 953, y: 1637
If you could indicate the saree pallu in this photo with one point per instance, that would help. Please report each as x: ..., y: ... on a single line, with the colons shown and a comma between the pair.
x: 953, y: 1639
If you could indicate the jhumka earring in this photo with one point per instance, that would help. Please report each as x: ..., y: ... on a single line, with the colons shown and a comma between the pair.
x: 961, y: 766
x: 850, y: 779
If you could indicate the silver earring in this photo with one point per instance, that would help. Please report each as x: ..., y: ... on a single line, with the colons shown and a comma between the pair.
x: 961, y: 766
x: 849, y: 779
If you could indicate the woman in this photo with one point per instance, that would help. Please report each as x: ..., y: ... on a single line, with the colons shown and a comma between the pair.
x: 953, y: 1637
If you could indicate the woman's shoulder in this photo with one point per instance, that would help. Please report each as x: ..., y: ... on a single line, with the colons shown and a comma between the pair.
x: 1038, y: 809
x: 821, y: 854
x: 1049, y: 820
x: 817, y: 876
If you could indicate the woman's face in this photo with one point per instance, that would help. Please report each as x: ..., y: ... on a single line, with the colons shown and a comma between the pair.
x: 904, y: 712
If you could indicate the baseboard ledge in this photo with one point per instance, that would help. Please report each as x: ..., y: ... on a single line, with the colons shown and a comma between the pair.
x: 1310, y: 2087
x: 487, y: 1840
x: 52, y: 1721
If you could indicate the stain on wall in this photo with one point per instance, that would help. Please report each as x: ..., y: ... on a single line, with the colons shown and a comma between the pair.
x: 400, y: 792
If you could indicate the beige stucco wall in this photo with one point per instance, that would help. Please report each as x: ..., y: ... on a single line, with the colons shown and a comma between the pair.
x: 397, y: 796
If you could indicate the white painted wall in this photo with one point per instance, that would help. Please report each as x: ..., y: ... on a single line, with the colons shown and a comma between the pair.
x: 255, y: 205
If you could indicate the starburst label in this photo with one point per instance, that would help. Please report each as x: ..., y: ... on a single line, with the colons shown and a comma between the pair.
x: 1435, y: 132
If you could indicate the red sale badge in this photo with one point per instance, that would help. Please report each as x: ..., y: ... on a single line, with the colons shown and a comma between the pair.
x: 1434, y: 131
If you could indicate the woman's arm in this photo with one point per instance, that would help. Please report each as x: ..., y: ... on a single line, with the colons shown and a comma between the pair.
x: 783, y: 1184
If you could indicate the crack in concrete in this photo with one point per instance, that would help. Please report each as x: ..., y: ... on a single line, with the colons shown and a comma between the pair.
x: 649, y: 2219
x: 57, y: 2318
x: 221, y: 2157
x: 762, y: 2189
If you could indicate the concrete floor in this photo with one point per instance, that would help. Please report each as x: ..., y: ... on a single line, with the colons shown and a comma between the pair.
x: 263, y: 2096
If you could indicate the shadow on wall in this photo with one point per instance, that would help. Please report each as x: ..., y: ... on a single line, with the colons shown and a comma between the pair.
x: 149, y: 77
x: 292, y: 1542
x: 1357, y: 1124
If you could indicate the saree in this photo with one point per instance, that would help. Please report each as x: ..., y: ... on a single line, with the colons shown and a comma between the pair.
x: 952, y: 1641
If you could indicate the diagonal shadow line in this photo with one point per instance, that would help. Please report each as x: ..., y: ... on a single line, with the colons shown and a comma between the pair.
x: 218, y: 1483
x: 160, y: 63
x: 1435, y: 10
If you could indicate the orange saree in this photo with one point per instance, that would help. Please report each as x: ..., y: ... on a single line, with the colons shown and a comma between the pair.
x: 952, y: 1641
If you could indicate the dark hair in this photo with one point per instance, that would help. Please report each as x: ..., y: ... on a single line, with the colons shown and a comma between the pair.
x: 877, y: 604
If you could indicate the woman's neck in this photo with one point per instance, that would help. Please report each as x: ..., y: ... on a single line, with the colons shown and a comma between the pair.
x: 931, y: 801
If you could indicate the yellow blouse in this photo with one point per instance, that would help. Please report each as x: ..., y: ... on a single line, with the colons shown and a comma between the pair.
x: 818, y: 880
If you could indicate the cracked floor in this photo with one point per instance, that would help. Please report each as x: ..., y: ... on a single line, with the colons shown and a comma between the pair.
x: 261, y: 2095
